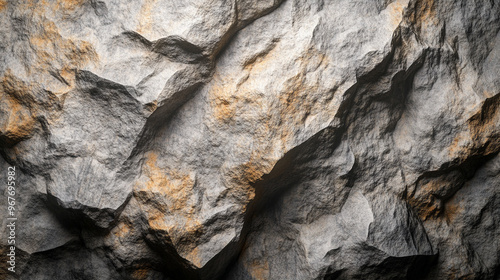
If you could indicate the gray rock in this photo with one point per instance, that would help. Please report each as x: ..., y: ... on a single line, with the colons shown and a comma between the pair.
x: 252, y: 139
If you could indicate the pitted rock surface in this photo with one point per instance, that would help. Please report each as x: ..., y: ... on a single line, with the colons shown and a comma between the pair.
x: 244, y: 139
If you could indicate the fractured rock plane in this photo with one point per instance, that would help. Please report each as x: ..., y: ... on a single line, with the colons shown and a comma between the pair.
x: 250, y: 139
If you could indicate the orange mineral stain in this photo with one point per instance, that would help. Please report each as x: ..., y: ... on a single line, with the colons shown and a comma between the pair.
x: 258, y: 269
x: 3, y: 5
x: 169, y: 202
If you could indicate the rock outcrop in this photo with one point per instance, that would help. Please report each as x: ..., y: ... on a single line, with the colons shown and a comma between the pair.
x: 242, y: 139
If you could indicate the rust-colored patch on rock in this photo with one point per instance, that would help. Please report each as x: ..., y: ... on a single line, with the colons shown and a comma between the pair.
x: 424, y: 14
x: 52, y: 51
x: 228, y: 93
x: 141, y: 272
x: 146, y: 18
x: 299, y: 97
x: 481, y: 136
x: 222, y: 100
x: 425, y: 9
x: 17, y: 90
x: 194, y: 257
x: 70, y: 5
x: 121, y: 230
x: 485, y: 124
x: 396, y: 13
x: 170, y: 203
x: 258, y: 269
x: 58, y: 7
x: 3, y: 5
x: 49, y: 58
x: 243, y: 177
x: 424, y: 201
x: 18, y: 124
x: 452, y: 209
x: 235, y: 99
x: 431, y: 194
x: 177, y: 187
x: 50, y: 62
x: 17, y: 121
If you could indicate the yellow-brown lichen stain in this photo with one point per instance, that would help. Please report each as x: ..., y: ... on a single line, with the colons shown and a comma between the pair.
x: 433, y: 196
x: 241, y: 178
x: 70, y: 5
x: 427, y: 205
x: 59, y: 56
x: 236, y: 98
x: 141, y: 272
x: 222, y: 100
x: 481, y: 132
x: 452, y: 209
x: 17, y: 121
x: 176, y: 186
x: 395, y: 10
x: 170, y: 203
x: 228, y: 92
x: 427, y: 208
x: 18, y: 124
x: 425, y: 9
x: 121, y: 230
x: 485, y: 123
x: 424, y: 12
x: 50, y: 58
x: 298, y: 96
x: 61, y: 7
x: 146, y: 20
x: 194, y: 257
x: 3, y: 5
x: 258, y: 269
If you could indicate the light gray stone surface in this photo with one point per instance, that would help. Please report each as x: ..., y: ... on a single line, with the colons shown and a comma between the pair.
x: 243, y: 139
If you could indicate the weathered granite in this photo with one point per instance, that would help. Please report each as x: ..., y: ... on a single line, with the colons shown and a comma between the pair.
x: 252, y: 139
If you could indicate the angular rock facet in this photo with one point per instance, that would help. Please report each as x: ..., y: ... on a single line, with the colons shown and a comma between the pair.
x: 252, y: 139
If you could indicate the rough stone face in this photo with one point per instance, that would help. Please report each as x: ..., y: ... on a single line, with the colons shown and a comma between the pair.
x: 243, y: 139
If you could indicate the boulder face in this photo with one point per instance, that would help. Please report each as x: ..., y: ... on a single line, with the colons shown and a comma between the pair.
x: 244, y: 139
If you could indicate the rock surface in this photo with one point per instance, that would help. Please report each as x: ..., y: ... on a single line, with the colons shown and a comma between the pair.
x: 243, y: 139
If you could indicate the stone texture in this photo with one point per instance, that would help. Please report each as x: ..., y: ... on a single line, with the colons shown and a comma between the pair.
x: 251, y: 139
